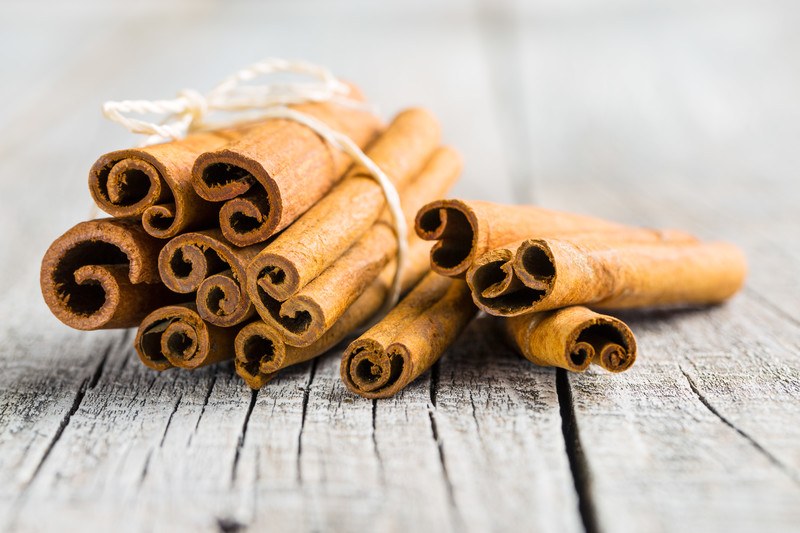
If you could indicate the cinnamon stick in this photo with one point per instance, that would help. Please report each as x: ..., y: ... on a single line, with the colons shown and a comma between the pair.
x: 261, y: 351
x: 176, y: 336
x: 103, y: 274
x: 279, y: 169
x: 155, y: 182
x: 498, y: 290
x: 409, y: 339
x: 612, y: 275
x: 205, y: 262
x: 572, y: 338
x: 466, y: 229
x: 305, y: 316
x: 293, y: 259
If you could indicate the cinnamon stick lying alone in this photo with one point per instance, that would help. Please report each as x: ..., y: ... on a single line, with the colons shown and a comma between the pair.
x: 572, y: 338
x: 176, y: 336
x: 276, y: 171
x: 205, y: 262
x: 339, y: 219
x: 409, y: 340
x: 304, y: 317
x: 465, y: 229
x: 155, y: 182
x: 261, y: 351
x: 103, y: 274
x: 561, y: 272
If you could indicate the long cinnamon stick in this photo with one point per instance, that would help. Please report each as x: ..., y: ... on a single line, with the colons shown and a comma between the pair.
x: 409, y: 339
x: 261, y: 351
x: 305, y: 316
x: 293, y: 259
x: 155, y: 182
x: 560, y: 272
x: 279, y: 169
x: 176, y: 336
x: 572, y: 338
x: 103, y: 274
x: 498, y: 290
x: 466, y: 229
x: 205, y: 262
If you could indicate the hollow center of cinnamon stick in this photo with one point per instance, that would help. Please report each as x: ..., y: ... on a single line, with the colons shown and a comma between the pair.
x: 131, y: 186
x: 220, y: 174
x: 257, y: 350
x: 455, y: 239
x: 181, y: 344
x: 599, y: 336
x: 85, y: 298
x: 538, y: 264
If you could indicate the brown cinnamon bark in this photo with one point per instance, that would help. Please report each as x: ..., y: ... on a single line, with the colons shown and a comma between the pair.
x: 498, y: 290
x: 205, y: 262
x: 613, y: 275
x: 261, y: 351
x: 155, y: 182
x: 279, y: 169
x: 466, y: 229
x: 409, y: 339
x: 176, y: 336
x: 304, y: 317
x: 572, y: 338
x: 293, y: 259
x: 103, y: 274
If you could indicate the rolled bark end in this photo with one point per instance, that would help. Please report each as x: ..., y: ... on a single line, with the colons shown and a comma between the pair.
x: 453, y: 224
x: 259, y: 351
x: 222, y: 175
x: 221, y: 300
x: 123, y: 185
x: 274, y: 275
x: 184, y: 264
x: 103, y: 274
x: 372, y: 372
x: 248, y: 220
x: 159, y: 221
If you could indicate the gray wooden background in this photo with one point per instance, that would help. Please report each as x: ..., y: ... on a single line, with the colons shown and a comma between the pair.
x: 676, y: 113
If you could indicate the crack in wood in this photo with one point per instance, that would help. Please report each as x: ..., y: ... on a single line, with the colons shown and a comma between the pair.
x: 243, y: 434
x: 581, y: 475
x: 753, y: 442
x: 440, y: 446
x: 203, y: 407
x: 375, y: 443
x: 306, y: 392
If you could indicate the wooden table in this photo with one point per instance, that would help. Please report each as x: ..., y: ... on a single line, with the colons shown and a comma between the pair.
x: 683, y: 114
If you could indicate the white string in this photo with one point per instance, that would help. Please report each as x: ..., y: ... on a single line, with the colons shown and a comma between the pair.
x: 187, y: 113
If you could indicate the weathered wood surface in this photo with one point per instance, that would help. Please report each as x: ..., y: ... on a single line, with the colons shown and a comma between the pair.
x: 681, y: 115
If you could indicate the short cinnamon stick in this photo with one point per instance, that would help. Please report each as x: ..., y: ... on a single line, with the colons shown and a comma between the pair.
x: 409, y: 339
x: 304, y: 317
x: 279, y: 169
x: 466, y: 229
x: 103, y: 274
x: 176, y: 336
x: 205, y: 262
x: 155, y: 182
x: 293, y: 259
x: 572, y: 338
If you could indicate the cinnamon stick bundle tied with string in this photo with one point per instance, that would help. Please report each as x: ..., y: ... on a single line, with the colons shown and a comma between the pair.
x: 176, y: 336
x: 613, y: 275
x: 155, y: 182
x: 205, y: 263
x: 409, y: 340
x: 261, y: 350
x: 277, y: 170
x: 304, y: 317
x: 103, y: 274
x: 339, y: 219
x: 466, y: 229
x: 572, y: 338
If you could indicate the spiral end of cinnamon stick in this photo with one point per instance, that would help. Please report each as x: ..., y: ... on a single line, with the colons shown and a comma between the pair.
x: 222, y: 175
x: 453, y: 224
x: 496, y: 287
x: 605, y: 341
x: 222, y: 301
x: 173, y: 336
x: 186, y: 261
x: 260, y: 353
x: 372, y: 372
x: 274, y: 275
x: 125, y: 183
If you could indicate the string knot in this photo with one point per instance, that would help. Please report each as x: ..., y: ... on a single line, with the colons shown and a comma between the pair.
x: 196, y: 105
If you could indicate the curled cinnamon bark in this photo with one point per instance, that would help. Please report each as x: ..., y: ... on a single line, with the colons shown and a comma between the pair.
x: 176, y: 336
x: 103, y: 274
x: 502, y: 285
x: 409, y: 339
x: 155, y: 182
x: 304, y: 317
x: 560, y: 272
x: 339, y: 219
x: 572, y: 338
x: 279, y: 169
x: 466, y: 229
x: 204, y: 262
x: 261, y: 351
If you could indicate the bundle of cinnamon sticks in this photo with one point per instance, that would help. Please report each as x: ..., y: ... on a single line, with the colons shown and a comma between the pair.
x: 264, y: 244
